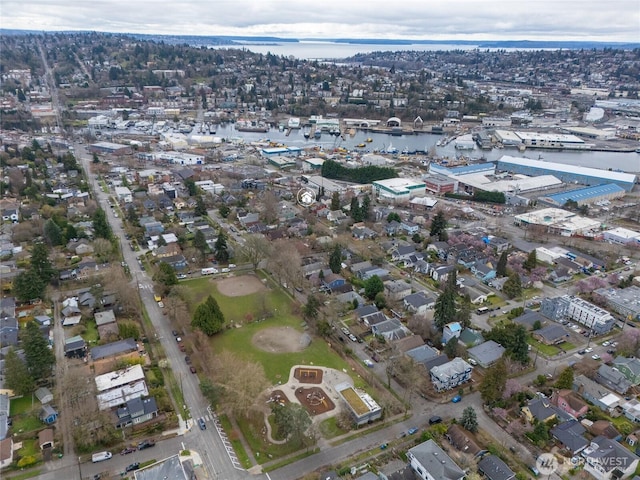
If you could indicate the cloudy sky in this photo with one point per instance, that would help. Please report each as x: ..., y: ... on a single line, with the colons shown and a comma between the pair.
x: 613, y: 20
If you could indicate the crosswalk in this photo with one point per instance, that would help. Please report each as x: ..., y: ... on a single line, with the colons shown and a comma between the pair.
x: 213, y: 418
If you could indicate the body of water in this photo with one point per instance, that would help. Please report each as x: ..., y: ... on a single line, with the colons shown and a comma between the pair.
x: 627, y: 162
x: 307, y: 50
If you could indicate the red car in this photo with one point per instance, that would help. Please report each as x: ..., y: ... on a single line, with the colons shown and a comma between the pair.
x: 127, y: 451
x: 192, y: 369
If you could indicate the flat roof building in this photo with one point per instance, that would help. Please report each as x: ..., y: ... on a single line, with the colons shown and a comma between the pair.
x: 625, y: 301
x: 399, y: 189
x: 566, y: 173
x: 622, y: 236
x: 363, y: 408
x: 558, y: 221
x: 586, y: 196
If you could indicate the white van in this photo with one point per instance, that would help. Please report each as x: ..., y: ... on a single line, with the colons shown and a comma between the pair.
x: 100, y: 457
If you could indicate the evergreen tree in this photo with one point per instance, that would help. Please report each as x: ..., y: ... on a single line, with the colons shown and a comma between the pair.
x: 451, y: 348
x: 355, y: 211
x: 365, y: 208
x: 513, y: 286
x: 200, y: 208
x: 393, y: 216
x: 53, y: 233
x: 220, y: 247
x: 335, y: 259
x: 565, y: 379
x: 445, y: 308
x: 208, y: 317
x: 16, y: 375
x: 335, y: 201
x: 372, y: 286
x: 101, y: 228
x: 192, y: 188
x: 40, y: 263
x: 493, y: 383
x: 311, y: 308
x: 438, y: 225
x: 531, y: 262
x: 39, y: 357
x: 166, y: 276
x: 132, y: 215
x: 28, y: 285
x: 224, y: 210
x: 200, y: 243
x: 501, y: 267
x: 469, y: 420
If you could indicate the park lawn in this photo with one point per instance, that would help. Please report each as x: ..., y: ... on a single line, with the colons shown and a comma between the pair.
x: 263, y: 450
x: 276, y: 365
x: 329, y: 428
x: 20, y: 405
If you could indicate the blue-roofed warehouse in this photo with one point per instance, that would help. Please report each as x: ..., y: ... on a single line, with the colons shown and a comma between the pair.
x: 586, y: 196
x: 566, y: 173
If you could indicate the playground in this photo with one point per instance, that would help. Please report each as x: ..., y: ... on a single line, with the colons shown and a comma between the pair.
x: 308, y: 375
x: 315, y: 400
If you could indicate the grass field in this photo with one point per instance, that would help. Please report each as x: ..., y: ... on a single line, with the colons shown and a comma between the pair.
x: 21, y: 405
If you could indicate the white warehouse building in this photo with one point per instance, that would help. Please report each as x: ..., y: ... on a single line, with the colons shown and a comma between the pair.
x: 399, y: 189
x: 622, y: 236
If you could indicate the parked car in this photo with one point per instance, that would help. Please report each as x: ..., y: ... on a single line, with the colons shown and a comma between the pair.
x: 132, y: 467
x: 174, y: 333
x: 146, y: 444
x: 588, y: 350
x: 456, y: 399
x: 435, y: 419
x: 187, y: 360
x: 192, y: 369
x: 127, y: 451
x: 595, y: 357
x: 412, y: 430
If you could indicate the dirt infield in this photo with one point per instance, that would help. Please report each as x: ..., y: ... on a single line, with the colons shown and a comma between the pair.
x: 278, y: 340
x: 308, y: 375
x: 314, y: 400
x: 239, y: 286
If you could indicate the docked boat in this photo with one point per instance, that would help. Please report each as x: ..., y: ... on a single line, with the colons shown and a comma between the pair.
x: 369, y: 140
x: 317, y: 134
x: 247, y: 126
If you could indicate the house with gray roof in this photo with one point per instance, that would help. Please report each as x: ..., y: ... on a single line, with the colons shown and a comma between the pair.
x: 450, y: 375
x: 397, y: 289
x: 597, y: 394
x: 612, y: 379
x: 391, y: 329
x: 422, y: 353
x: 529, y: 318
x: 607, y: 459
x: 493, y: 468
x: 629, y: 367
x: 570, y: 434
x: 487, y: 353
x: 430, y: 462
x: 8, y: 331
x: 5, y: 404
x: 136, y: 410
x: 419, y: 302
x: 552, y: 334
x: 113, y: 349
x: 104, y: 318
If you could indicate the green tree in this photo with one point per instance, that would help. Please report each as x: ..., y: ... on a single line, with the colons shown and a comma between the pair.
x: 445, y: 308
x: 531, y: 262
x: 224, y: 210
x: 40, y: 263
x: 292, y: 421
x: 501, y: 267
x: 95, y: 158
x: 355, y: 211
x: 380, y: 300
x: 451, y: 348
x: 493, y: 383
x: 28, y: 285
x: 52, y: 233
x: 393, y: 216
x: 565, y: 379
x: 335, y: 201
x: 16, y: 375
x: 192, y: 188
x: 220, y: 247
x: 373, y: 286
x: 365, y: 208
x: 311, y: 308
x: 166, y: 276
x: 469, y: 420
x: 200, y: 208
x: 335, y: 259
x: 39, y: 357
x: 132, y: 215
x: 513, y: 338
x: 101, y: 227
x: 513, y: 286
x: 537, y: 325
x: 208, y: 317
x: 200, y: 243
x: 438, y: 225
x: 212, y: 392
x: 128, y: 330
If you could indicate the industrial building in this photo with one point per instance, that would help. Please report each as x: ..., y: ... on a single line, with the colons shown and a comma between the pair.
x: 487, y: 168
x: 439, y: 184
x: 622, y: 236
x: 515, y: 184
x: 110, y: 148
x: 625, y: 301
x: 399, y: 189
x: 541, y: 140
x: 558, y: 221
x: 566, y: 173
x: 586, y: 196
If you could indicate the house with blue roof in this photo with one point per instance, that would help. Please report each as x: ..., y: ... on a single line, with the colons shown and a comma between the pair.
x: 451, y: 330
x: 483, y: 270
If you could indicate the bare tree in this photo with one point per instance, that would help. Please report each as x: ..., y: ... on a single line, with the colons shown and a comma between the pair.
x: 115, y: 280
x: 269, y: 211
x: 242, y: 381
x: 255, y: 249
x: 285, y: 263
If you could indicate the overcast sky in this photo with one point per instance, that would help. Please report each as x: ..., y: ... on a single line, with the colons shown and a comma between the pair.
x: 602, y: 20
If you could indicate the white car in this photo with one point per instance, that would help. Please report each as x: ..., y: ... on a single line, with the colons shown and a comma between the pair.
x: 606, y: 344
x: 595, y: 357
x: 225, y: 270
x: 232, y: 265
x: 588, y: 350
